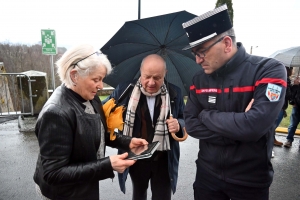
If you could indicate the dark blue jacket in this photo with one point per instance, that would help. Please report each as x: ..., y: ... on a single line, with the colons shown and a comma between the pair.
x: 236, y: 146
x: 177, y: 107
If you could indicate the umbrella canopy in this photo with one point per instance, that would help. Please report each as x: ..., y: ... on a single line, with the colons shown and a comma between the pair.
x: 161, y: 35
x: 289, y: 57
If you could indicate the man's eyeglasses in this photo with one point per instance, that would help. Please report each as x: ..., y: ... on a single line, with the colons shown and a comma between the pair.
x: 97, y: 53
x: 201, y: 54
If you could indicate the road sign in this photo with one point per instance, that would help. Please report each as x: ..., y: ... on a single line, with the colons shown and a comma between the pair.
x: 48, y: 42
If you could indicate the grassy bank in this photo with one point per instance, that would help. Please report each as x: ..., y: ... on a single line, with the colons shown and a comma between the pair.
x: 103, y: 97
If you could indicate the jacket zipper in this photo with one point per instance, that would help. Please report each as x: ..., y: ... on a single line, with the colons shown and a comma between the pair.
x: 230, y: 89
x: 223, y: 106
x: 222, y: 163
x: 230, y: 95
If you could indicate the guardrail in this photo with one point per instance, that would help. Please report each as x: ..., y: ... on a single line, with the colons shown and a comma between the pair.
x: 106, y: 91
x: 12, y: 101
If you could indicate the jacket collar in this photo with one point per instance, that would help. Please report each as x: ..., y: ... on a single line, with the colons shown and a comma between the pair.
x: 234, y: 62
x: 77, y: 99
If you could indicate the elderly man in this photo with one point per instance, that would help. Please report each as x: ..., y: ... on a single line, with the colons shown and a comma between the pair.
x: 236, y: 133
x: 147, y: 116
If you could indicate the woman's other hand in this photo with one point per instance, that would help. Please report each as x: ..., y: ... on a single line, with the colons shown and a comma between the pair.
x: 119, y: 162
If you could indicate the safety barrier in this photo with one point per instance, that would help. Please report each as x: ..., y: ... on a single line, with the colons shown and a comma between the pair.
x: 12, y: 95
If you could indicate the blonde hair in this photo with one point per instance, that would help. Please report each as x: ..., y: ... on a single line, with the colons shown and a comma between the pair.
x: 84, y: 59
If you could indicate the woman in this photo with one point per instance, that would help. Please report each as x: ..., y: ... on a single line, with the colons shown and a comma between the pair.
x: 72, y: 132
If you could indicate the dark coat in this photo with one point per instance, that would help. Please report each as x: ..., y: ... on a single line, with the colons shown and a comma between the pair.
x: 177, y: 106
x: 295, y: 96
x: 67, y: 166
x: 288, y: 94
x: 236, y: 146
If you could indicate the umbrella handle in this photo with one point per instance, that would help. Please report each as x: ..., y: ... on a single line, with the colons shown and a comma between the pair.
x: 177, y: 138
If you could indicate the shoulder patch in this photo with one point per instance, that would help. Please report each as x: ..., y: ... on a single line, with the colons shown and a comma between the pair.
x: 273, y: 92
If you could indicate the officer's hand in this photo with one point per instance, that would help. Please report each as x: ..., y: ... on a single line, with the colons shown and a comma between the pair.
x: 249, y: 105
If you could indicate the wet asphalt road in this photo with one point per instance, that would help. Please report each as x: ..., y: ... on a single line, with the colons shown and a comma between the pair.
x: 19, y: 153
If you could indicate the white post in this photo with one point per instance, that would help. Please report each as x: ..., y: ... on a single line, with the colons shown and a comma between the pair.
x: 52, y: 71
x: 251, y: 49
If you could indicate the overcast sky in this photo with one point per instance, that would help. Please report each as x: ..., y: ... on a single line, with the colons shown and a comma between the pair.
x: 268, y: 24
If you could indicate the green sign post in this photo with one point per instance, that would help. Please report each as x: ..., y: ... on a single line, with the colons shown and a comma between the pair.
x: 48, y: 42
x: 49, y: 48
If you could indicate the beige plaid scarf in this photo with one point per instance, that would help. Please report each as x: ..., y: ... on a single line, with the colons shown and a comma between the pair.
x: 161, y: 133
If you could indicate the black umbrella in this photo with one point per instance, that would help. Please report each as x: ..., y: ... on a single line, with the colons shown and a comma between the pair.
x: 161, y: 35
x: 289, y: 57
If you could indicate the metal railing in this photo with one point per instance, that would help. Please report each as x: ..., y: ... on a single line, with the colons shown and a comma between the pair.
x: 12, y: 98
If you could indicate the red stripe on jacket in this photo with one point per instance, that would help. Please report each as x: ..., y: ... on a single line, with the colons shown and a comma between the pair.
x: 240, y: 89
x: 271, y: 80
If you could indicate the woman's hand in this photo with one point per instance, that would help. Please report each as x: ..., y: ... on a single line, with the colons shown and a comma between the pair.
x: 119, y: 163
x: 135, y: 142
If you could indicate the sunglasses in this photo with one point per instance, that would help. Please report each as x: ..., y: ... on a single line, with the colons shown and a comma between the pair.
x: 97, y: 53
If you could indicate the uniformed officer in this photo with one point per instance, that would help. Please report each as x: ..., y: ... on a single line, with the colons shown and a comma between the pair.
x: 236, y: 135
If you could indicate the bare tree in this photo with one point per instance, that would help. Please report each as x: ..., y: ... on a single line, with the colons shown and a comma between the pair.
x: 19, y: 58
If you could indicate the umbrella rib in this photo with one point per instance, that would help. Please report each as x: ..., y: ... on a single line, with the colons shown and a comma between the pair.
x: 136, y: 55
x: 128, y: 43
x: 183, y: 35
x: 180, y: 54
x: 176, y: 71
x: 142, y: 43
x: 169, y: 31
x: 148, y: 32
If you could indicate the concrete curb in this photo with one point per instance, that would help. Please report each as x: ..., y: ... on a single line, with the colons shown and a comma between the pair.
x: 285, y: 130
x: 26, y: 124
